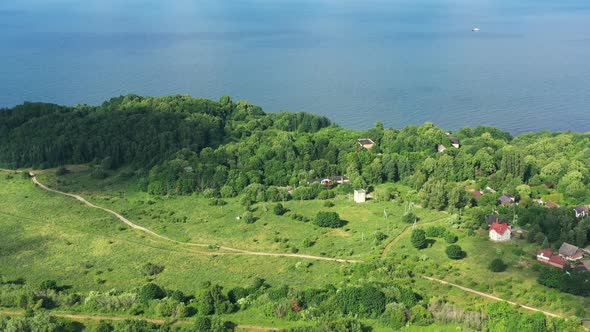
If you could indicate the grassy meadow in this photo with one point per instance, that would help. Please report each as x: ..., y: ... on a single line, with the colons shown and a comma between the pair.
x: 49, y: 236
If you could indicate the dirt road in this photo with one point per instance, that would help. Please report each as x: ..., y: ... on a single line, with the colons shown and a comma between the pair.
x: 490, y: 296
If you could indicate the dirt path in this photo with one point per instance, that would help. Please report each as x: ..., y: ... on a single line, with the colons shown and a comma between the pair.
x: 394, y: 241
x: 115, y: 318
x: 162, y: 237
x: 492, y: 297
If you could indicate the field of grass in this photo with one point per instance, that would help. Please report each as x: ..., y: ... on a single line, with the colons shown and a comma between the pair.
x: 192, y: 219
x: 49, y: 236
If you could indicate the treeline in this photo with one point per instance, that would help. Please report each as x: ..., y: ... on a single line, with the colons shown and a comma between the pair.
x: 141, y: 131
x: 185, y: 145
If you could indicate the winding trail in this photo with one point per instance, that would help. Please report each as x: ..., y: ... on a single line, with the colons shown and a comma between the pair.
x: 165, y: 238
x: 118, y: 319
x: 492, y: 297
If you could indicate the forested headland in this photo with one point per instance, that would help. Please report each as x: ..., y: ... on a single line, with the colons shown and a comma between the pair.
x: 227, y: 150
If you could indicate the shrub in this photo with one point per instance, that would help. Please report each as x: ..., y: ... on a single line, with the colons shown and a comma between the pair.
x: 48, y: 284
x: 328, y: 219
x: 151, y: 292
x: 418, y: 238
x: 150, y: 269
x: 248, y: 217
x: 497, y: 265
x: 296, y: 216
x: 366, y: 300
x: 328, y: 204
x: 421, y: 316
x: 104, y: 326
x: 455, y: 252
x: 279, y: 209
x: 237, y: 293
x: 308, y: 243
x: 451, y: 238
x: 394, y: 316
x: 409, y: 217
x: 436, y: 231
x: 380, y: 236
x: 326, y: 194
x: 407, y: 297
x: 202, y: 324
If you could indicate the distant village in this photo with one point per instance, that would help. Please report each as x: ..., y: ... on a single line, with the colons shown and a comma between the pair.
x: 500, y: 230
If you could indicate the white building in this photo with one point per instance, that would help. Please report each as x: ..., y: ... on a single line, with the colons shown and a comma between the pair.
x: 499, y: 232
x: 360, y: 196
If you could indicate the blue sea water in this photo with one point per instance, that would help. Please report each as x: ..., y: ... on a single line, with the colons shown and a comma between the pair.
x: 356, y: 61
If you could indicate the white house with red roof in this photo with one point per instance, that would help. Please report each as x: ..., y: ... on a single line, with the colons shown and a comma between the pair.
x: 499, y: 232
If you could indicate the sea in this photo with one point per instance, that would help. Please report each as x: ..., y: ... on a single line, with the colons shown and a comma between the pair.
x: 521, y: 65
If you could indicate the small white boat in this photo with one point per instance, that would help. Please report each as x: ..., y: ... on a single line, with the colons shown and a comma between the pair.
x: 475, y: 29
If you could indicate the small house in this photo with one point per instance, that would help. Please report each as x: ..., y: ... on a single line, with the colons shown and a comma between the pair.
x: 441, y: 148
x: 570, y: 252
x: 326, y: 183
x: 506, y: 199
x: 477, y: 194
x: 360, y: 196
x: 455, y: 142
x: 366, y: 143
x: 499, y: 232
x: 340, y: 179
x: 581, y: 211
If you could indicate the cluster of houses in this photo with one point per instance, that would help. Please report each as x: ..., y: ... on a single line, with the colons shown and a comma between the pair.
x: 568, y: 254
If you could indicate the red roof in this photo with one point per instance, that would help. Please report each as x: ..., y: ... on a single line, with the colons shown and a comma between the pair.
x: 557, y: 261
x: 477, y: 194
x: 499, y: 228
x: 546, y: 252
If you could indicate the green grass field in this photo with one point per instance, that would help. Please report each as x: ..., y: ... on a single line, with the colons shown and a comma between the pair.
x: 49, y: 236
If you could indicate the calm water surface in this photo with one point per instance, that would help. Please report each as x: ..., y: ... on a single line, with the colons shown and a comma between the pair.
x: 356, y: 61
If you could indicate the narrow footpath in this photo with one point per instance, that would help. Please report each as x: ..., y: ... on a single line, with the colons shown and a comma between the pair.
x: 492, y: 297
